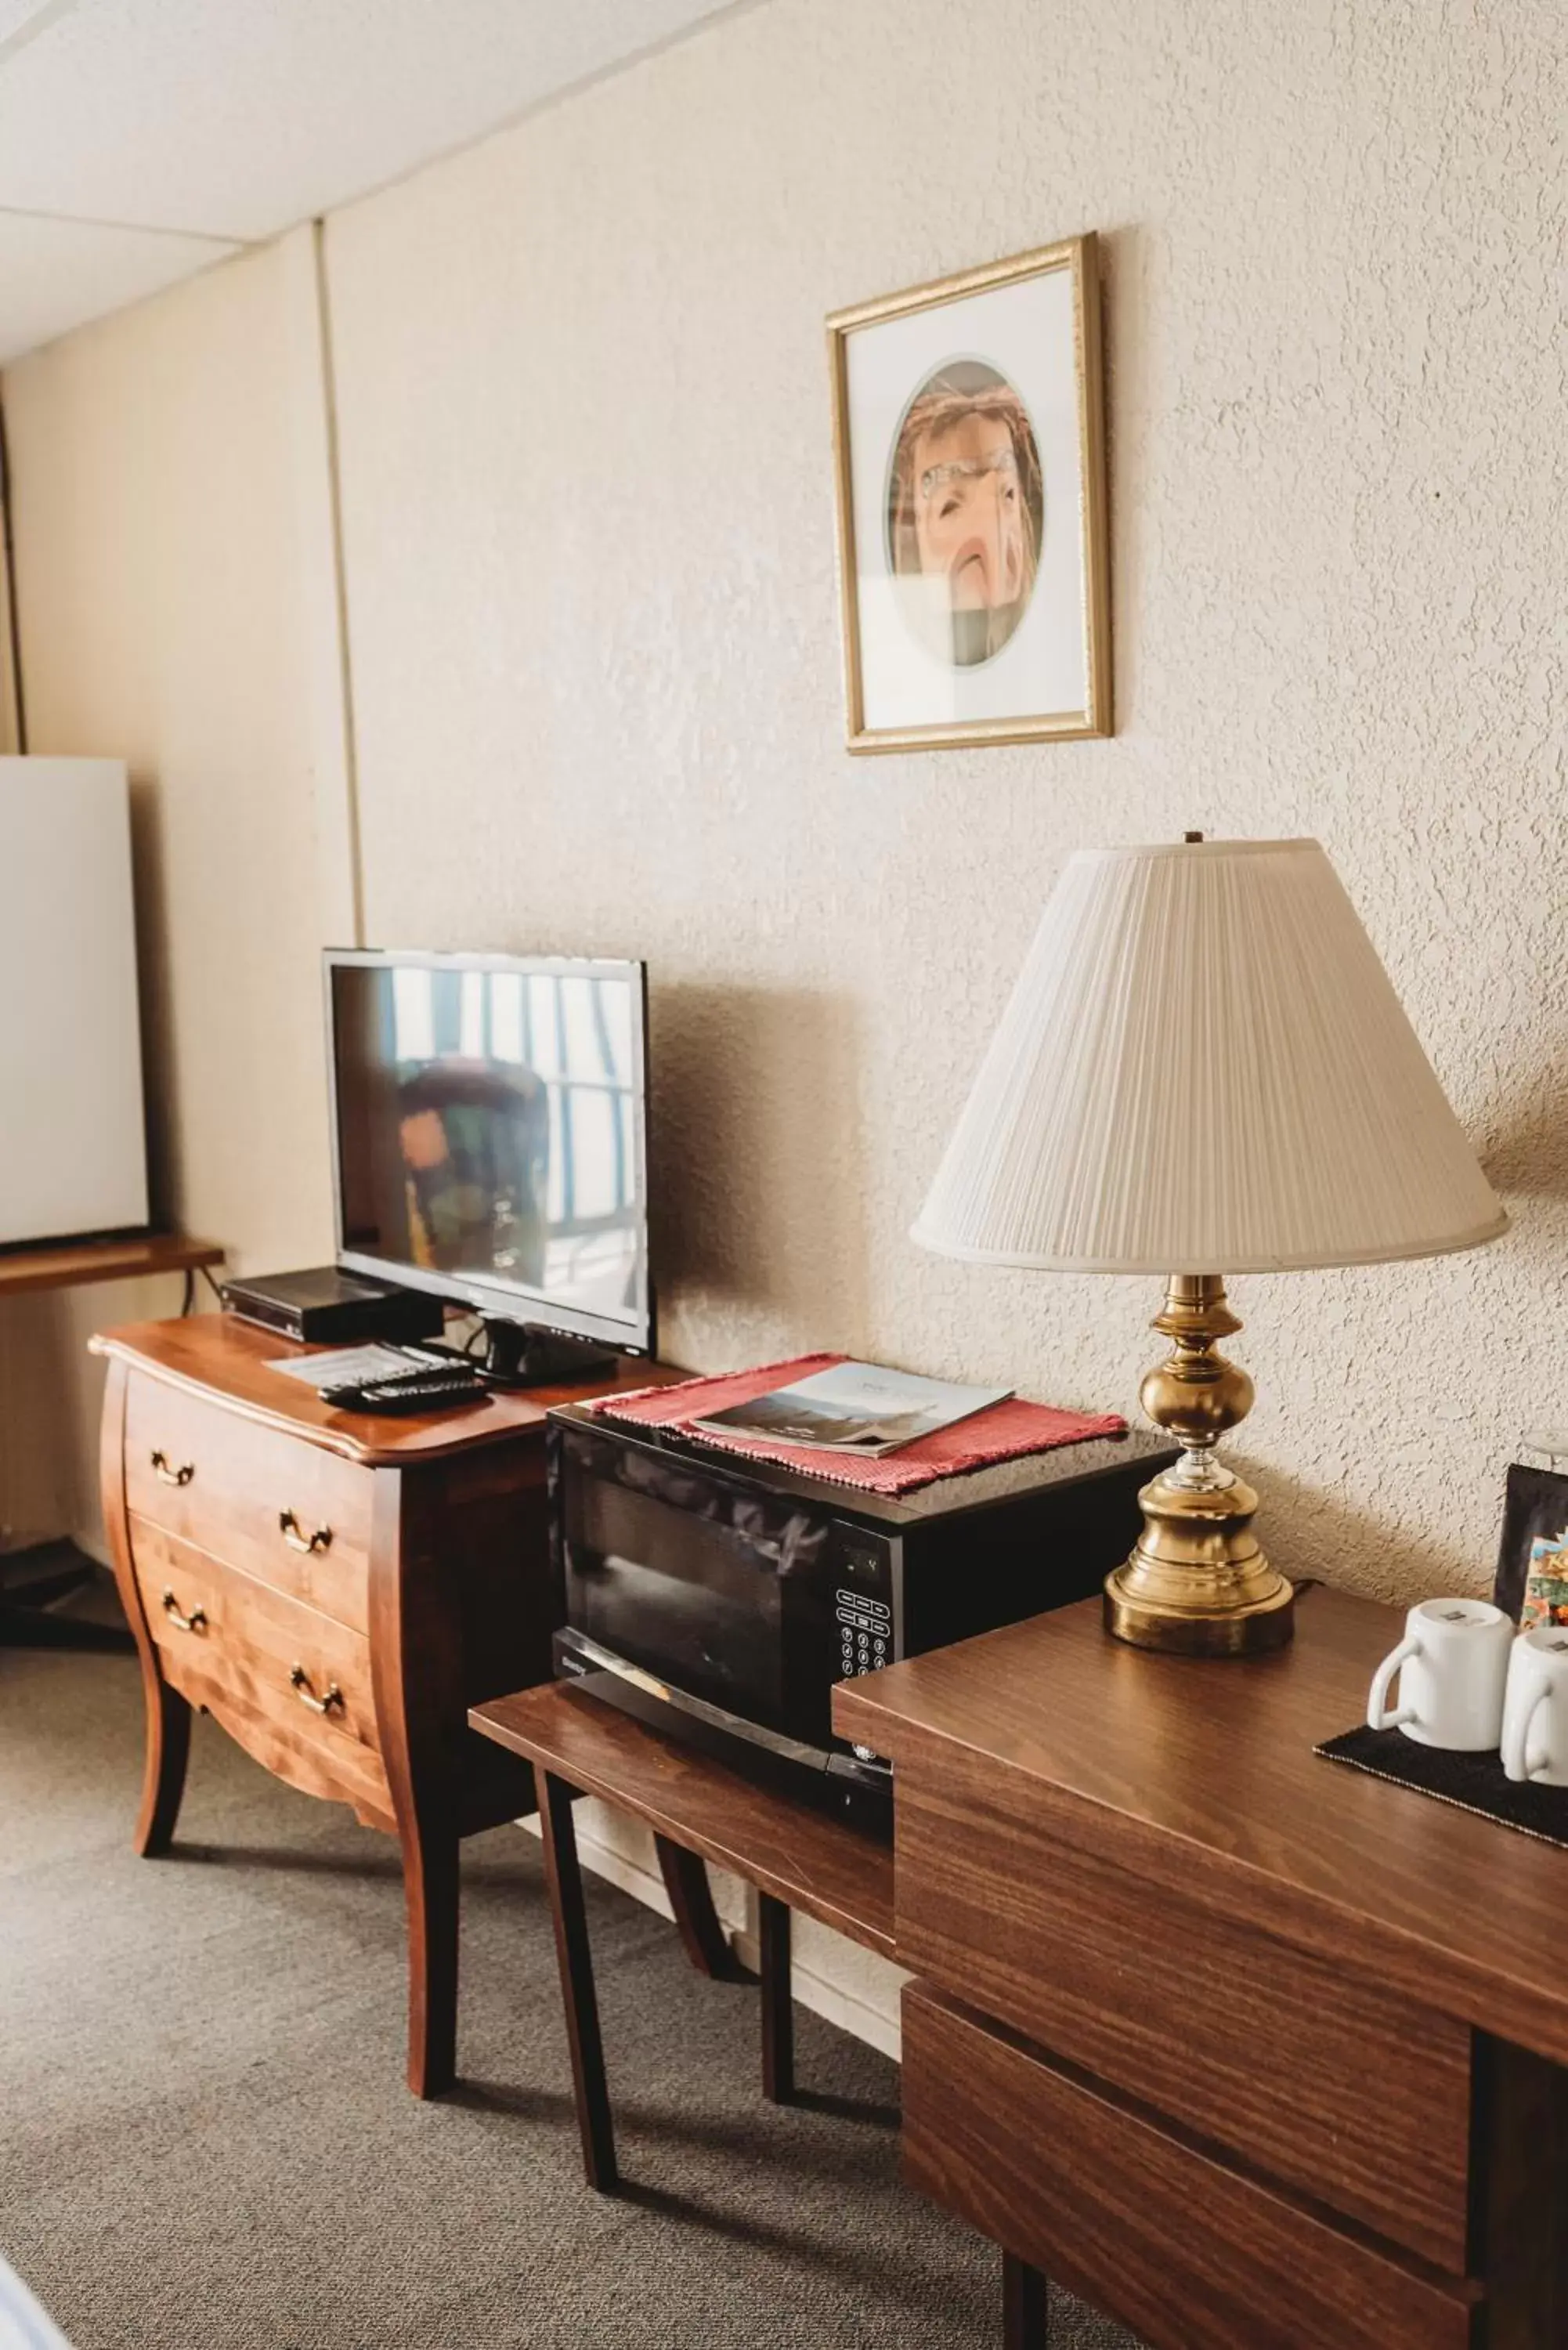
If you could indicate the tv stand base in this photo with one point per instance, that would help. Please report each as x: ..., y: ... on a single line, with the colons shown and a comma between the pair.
x: 516, y: 1355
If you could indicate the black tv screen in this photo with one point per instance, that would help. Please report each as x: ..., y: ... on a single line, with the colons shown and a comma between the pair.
x: 489, y: 1132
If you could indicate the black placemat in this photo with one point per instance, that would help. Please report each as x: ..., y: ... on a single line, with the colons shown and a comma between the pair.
x: 1474, y: 1783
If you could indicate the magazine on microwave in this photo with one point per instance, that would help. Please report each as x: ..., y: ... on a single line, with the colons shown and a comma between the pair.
x: 855, y: 1407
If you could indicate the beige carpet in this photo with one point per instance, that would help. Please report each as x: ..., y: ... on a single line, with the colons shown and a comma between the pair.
x: 205, y: 2142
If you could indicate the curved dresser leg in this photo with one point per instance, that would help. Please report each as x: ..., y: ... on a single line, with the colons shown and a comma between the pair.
x: 168, y: 1714
x: 430, y: 1891
x: 416, y: 1670
x: 163, y: 1776
x: 702, y: 1936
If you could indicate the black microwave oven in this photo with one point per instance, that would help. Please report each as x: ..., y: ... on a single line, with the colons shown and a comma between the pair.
x: 722, y: 1597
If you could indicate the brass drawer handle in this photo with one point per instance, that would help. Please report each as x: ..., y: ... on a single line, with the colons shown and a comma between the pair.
x: 168, y: 1476
x: 195, y: 1622
x: 299, y: 1683
x: 308, y: 1545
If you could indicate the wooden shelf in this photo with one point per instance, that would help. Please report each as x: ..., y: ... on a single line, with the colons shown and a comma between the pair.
x: 70, y: 1264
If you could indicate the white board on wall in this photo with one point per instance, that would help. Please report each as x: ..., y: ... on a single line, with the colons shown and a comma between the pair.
x: 73, y: 1150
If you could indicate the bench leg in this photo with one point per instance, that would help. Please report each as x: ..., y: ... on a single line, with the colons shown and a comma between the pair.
x: 778, y: 2006
x: 1025, y: 2323
x: 702, y: 1937
x: 563, y: 1877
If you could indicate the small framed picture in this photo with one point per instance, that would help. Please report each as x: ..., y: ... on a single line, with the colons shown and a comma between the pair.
x: 969, y: 447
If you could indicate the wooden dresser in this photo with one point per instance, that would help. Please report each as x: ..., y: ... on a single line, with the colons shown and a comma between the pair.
x: 1245, y: 2047
x: 337, y: 1590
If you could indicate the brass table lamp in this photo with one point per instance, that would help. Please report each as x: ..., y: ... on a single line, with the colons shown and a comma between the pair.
x: 1203, y: 1064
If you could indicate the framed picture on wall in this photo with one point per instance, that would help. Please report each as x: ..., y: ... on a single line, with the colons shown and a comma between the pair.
x: 968, y: 439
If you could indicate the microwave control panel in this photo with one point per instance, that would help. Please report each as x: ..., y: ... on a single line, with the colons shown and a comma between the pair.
x: 862, y: 1602
x: 864, y: 1632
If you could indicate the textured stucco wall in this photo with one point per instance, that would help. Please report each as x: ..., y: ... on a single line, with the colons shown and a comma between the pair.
x: 175, y: 591
x: 585, y: 434
x: 584, y: 425
x: 168, y: 543
x: 589, y: 545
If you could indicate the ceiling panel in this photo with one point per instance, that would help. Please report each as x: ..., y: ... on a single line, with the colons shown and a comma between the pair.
x: 243, y: 117
x: 56, y: 274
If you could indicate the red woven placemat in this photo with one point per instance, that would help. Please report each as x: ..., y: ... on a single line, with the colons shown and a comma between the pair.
x: 1002, y: 1432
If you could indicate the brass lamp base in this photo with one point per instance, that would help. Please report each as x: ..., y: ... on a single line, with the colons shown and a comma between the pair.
x: 1198, y: 1584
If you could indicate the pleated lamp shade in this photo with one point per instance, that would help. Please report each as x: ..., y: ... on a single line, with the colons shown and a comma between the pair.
x: 1204, y: 1069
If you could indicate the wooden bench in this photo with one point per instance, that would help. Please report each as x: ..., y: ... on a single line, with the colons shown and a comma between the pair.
x: 700, y: 1811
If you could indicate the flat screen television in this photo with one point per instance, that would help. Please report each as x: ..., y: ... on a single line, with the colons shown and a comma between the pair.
x: 489, y: 1132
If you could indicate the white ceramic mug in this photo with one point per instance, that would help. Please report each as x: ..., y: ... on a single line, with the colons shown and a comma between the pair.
x: 1536, y: 1711
x: 1453, y: 1666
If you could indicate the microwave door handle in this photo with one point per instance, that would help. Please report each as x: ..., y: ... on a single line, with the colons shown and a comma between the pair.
x: 789, y: 1749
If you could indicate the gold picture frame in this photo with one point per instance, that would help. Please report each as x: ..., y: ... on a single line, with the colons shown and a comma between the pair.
x: 1020, y: 614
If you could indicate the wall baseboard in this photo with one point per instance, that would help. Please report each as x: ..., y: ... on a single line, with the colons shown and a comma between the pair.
x: 835, y: 2001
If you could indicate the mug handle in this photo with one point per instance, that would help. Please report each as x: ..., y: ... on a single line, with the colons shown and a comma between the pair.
x: 1520, y: 1762
x: 1376, y: 1716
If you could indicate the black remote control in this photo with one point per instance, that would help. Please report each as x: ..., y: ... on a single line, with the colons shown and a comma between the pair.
x: 426, y: 1388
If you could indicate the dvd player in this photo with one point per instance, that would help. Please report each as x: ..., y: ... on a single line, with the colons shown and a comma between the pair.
x: 322, y: 1306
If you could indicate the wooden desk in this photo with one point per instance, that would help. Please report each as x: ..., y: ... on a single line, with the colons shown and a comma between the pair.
x: 1244, y: 2047
x: 699, y: 1810
x: 336, y: 1589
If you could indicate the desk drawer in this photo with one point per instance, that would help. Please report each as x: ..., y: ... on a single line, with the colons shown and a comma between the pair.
x: 1320, y: 2078
x: 267, y: 1667
x: 217, y: 1479
x: 1191, y: 2254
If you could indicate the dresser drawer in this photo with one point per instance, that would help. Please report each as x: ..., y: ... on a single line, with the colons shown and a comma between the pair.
x: 291, y: 1684
x: 278, y: 1507
x: 1191, y: 2254
x: 1328, y: 2082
